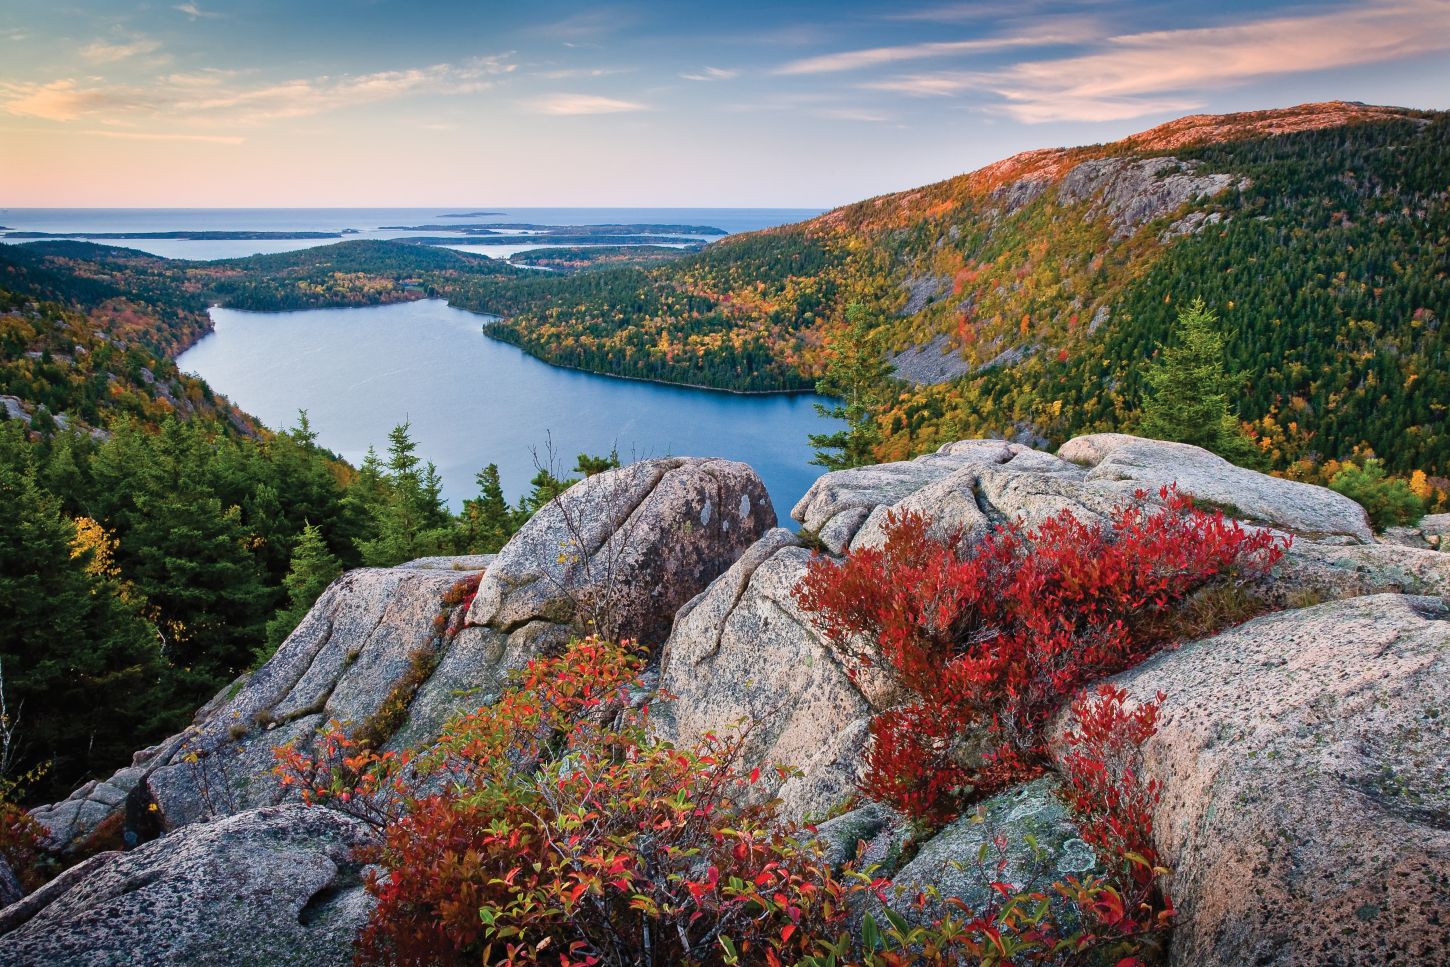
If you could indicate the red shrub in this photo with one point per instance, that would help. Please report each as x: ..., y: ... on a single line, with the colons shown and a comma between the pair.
x: 1101, y: 769
x: 565, y: 834
x: 994, y: 635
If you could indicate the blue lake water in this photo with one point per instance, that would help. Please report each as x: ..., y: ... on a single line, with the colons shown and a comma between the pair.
x: 473, y: 401
x: 366, y: 222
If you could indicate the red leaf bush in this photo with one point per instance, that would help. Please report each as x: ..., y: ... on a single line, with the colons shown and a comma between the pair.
x: 995, y: 635
x: 563, y: 834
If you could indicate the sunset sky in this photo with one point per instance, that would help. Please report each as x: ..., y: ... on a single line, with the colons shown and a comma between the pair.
x: 483, y: 102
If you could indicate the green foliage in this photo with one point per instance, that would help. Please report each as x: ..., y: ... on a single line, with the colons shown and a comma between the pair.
x: 80, y: 672
x: 1388, y: 501
x: 313, y: 568
x: 547, y: 485
x: 1190, y: 393
x: 412, y: 520
x: 855, y: 374
x: 487, y: 521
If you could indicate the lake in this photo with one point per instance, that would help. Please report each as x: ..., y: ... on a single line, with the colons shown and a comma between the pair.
x: 474, y: 401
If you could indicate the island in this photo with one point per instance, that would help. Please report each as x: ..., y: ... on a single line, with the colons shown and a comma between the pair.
x: 486, y: 228
x: 220, y: 236
x: 472, y: 214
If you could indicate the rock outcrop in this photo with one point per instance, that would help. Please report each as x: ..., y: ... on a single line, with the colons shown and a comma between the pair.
x: 628, y: 547
x: 1306, y: 785
x: 1302, y: 756
x: 1133, y: 192
x: 1298, y: 508
x: 278, y: 886
x: 356, y: 645
x: 642, y: 540
x: 747, y: 629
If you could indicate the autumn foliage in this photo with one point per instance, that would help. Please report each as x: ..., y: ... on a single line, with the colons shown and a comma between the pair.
x: 563, y: 834
x: 995, y: 635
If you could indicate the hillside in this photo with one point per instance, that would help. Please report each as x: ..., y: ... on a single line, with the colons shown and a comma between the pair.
x: 1023, y: 298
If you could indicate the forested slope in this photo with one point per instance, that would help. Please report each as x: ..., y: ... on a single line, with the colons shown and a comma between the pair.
x: 1034, y: 289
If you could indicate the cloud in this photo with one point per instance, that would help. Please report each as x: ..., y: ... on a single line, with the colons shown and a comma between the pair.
x: 103, y: 52
x: 960, y: 12
x: 853, y: 114
x: 195, y: 12
x: 711, y: 74
x: 63, y: 100
x: 1163, y: 71
x: 569, y: 73
x: 167, y: 136
x: 575, y: 104
x: 880, y: 56
x: 217, y: 96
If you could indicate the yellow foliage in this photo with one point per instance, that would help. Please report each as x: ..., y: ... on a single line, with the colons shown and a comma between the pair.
x: 99, y: 545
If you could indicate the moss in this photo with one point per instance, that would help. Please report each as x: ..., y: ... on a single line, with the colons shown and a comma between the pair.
x: 393, y: 712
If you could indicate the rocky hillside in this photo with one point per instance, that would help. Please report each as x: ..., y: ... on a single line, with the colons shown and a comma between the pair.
x: 1021, y: 300
x: 1301, y: 755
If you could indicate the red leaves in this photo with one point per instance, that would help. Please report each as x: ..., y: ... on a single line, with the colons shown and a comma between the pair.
x: 995, y: 634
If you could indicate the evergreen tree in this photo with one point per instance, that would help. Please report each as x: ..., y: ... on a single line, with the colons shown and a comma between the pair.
x: 82, y: 677
x: 413, y: 520
x: 545, y: 487
x: 855, y: 374
x: 1190, y: 392
x: 1388, y: 501
x: 488, y: 521
x: 313, y: 568
x: 589, y: 465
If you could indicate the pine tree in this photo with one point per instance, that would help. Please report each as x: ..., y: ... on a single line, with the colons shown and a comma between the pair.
x: 83, y: 679
x: 413, y: 520
x: 313, y: 568
x: 857, y: 371
x: 1190, y: 391
x: 488, y: 521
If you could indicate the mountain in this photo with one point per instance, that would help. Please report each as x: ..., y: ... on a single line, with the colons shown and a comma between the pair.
x: 1022, y: 299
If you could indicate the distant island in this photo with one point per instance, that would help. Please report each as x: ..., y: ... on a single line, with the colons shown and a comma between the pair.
x: 471, y: 214
x: 493, y: 228
x: 576, y: 258
x: 543, y: 239
x: 192, y: 236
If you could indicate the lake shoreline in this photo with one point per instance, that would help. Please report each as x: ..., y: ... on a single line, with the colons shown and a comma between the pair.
x: 474, y: 400
x: 492, y: 317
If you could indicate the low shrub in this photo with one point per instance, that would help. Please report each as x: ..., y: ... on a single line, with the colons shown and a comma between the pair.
x: 1389, y: 501
x: 561, y: 833
x: 995, y: 635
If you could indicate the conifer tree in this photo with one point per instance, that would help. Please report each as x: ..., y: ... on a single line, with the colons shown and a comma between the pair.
x: 313, y: 568
x: 83, y: 679
x: 412, y: 521
x: 488, y: 521
x: 1190, y: 392
x: 857, y: 371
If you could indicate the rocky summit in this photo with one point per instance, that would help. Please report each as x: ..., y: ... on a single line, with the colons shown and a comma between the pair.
x: 1302, y: 755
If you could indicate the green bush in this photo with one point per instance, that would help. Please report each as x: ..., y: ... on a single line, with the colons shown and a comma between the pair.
x: 1389, y: 500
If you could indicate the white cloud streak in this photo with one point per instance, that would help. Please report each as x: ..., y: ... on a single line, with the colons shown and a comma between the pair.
x: 883, y: 56
x: 195, y: 12
x: 567, y: 105
x: 1132, y: 75
x: 105, y: 52
x: 711, y: 74
x: 216, y: 96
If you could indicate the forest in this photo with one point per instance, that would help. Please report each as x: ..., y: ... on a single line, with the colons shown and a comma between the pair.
x: 155, y: 542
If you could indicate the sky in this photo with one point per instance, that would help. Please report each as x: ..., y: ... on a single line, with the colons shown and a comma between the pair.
x: 297, y: 103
